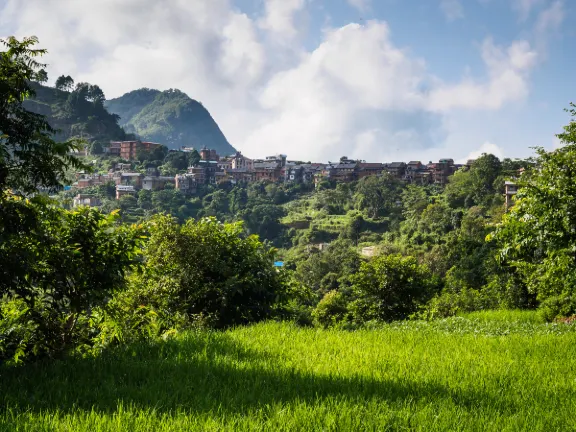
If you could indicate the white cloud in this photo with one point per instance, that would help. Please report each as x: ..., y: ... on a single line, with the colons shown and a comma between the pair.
x: 452, y: 9
x: 361, y: 5
x: 488, y: 148
x: 507, y: 80
x: 279, y: 16
x: 525, y: 7
x: 356, y: 93
x: 548, y: 22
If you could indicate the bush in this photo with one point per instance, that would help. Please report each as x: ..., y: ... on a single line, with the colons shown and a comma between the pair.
x: 331, y: 310
x: 557, y: 307
x: 208, y: 272
x: 390, y: 287
x: 451, y: 303
x: 57, y: 267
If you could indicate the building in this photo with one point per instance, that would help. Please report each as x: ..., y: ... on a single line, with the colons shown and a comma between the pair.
x: 122, y: 190
x: 128, y: 150
x: 396, y: 169
x: 134, y: 179
x: 441, y: 171
x: 224, y: 164
x: 267, y: 170
x: 240, y: 175
x: 156, y: 182
x: 114, y: 148
x: 370, y: 169
x: 87, y: 200
x: 510, y: 191
x: 186, y: 183
x: 239, y: 161
x: 87, y: 180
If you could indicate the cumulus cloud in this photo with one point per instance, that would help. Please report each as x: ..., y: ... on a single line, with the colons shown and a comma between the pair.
x: 507, y: 80
x: 488, y: 148
x: 452, y: 9
x: 356, y: 93
x: 279, y: 16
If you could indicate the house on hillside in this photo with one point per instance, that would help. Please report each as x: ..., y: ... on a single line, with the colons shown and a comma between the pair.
x: 86, y: 200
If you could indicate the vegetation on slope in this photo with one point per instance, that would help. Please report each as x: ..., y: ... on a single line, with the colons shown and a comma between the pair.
x: 77, y: 113
x: 171, y: 118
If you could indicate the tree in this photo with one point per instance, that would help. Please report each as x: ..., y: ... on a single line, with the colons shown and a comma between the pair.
x: 378, y: 196
x: 177, y: 160
x: 42, y: 76
x: 211, y: 272
x: 60, y: 265
x: 96, y: 95
x: 537, y: 238
x: 193, y: 158
x: 29, y: 157
x: 264, y: 220
x: 390, y: 287
x: 96, y: 148
x: 64, y: 83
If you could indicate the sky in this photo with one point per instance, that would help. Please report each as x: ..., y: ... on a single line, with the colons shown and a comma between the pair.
x: 378, y: 80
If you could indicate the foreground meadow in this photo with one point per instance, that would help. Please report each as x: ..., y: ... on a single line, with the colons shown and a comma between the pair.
x: 471, y: 373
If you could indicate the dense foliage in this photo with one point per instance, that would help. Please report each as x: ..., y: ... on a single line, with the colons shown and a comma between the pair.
x: 78, y: 280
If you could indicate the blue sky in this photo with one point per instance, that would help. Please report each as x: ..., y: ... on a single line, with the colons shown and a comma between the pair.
x: 376, y: 80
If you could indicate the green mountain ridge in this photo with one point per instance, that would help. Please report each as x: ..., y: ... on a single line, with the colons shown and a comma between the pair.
x: 75, y: 114
x: 169, y: 117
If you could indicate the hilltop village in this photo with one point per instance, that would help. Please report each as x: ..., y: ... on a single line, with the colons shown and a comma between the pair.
x: 209, y: 168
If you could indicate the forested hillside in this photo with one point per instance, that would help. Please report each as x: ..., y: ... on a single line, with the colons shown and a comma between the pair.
x: 169, y: 117
x: 76, y: 112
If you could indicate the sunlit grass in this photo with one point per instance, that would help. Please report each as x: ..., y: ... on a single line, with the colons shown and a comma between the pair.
x: 511, y: 316
x: 456, y: 374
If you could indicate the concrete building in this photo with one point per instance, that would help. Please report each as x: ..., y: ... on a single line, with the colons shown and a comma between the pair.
x: 122, y: 190
x: 186, y: 183
x: 86, y: 200
x: 510, y: 191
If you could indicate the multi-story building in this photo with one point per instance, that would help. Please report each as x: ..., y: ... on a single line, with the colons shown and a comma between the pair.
x: 86, y: 180
x: 129, y: 179
x: 240, y: 175
x: 510, y: 191
x: 441, y: 170
x: 186, y: 183
x: 267, y: 170
x: 122, y: 190
x: 156, y: 182
x: 239, y: 161
x: 114, y: 148
x: 128, y: 149
x: 87, y: 200
x: 366, y: 169
x: 396, y: 169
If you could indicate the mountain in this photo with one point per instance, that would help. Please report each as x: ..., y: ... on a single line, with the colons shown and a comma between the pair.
x: 76, y: 113
x: 169, y: 117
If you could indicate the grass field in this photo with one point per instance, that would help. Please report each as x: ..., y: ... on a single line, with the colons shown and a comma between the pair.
x: 466, y: 373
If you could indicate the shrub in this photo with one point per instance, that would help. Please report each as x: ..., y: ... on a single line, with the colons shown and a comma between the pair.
x: 390, y: 287
x: 331, y: 310
x: 209, y: 272
x: 57, y: 266
x: 557, y: 307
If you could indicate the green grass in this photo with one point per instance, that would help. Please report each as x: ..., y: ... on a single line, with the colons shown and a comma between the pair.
x: 451, y: 375
x: 510, y: 316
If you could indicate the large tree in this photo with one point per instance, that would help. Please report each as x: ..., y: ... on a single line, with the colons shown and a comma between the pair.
x: 29, y: 157
x: 537, y: 238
